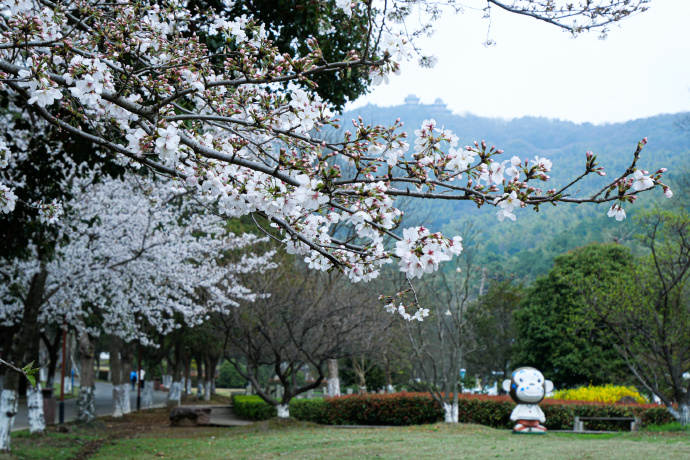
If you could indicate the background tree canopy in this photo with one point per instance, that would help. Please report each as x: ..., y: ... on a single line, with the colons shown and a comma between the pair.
x: 552, y: 336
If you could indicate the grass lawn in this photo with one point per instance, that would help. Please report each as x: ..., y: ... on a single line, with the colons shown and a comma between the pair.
x: 147, y: 435
x: 265, y: 440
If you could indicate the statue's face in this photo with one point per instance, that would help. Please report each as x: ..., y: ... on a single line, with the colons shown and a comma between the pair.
x: 528, y: 386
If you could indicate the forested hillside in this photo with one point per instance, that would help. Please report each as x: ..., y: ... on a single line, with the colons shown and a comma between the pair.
x: 527, y: 246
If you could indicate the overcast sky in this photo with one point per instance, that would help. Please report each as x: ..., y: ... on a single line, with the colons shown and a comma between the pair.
x: 641, y: 69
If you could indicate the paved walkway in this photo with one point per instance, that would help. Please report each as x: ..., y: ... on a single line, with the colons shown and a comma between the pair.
x: 103, y: 402
x: 225, y: 416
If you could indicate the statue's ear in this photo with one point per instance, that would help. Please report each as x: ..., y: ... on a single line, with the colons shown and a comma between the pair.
x: 506, y: 386
x: 548, y: 386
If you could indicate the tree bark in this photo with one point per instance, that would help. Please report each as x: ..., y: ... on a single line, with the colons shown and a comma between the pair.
x: 34, y: 404
x: 175, y: 393
x: 147, y: 395
x: 188, y: 374
x: 126, y: 357
x: 86, y: 408
x: 333, y: 378
x: 53, y: 348
x: 283, y: 410
x: 9, y: 402
x: 450, y: 412
x: 24, y: 344
x: 119, y: 383
x: 209, y: 376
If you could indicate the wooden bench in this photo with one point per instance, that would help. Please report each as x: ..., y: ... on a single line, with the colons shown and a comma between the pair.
x: 579, y: 423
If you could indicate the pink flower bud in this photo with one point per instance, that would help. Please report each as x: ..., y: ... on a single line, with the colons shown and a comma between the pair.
x: 644, y: 141
x: 661, y: 171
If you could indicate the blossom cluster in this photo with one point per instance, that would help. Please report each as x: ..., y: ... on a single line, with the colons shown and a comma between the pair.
x: 133, y: 263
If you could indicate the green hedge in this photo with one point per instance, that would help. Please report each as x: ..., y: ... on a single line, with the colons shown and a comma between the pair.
x: 252, y: 408
x: 420, y: 408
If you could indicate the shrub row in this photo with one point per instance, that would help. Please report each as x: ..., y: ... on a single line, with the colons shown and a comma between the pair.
x: 420, y: 408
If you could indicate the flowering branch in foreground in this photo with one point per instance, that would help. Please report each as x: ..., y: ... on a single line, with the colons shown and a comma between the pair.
x: 234, y: 126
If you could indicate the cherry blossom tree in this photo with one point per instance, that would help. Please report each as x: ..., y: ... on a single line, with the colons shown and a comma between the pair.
x: 139, y: 257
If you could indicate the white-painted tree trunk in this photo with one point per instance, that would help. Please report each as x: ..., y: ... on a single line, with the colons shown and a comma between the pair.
x: 86, y: 406
x: 118, y: 410
x: 9, y: 403
x: 333, y: 387
x: 174, y: 395
x: 333, y: 378
x: 126, y: 399
x: 188, y: 387
x: 390, y: 389
x: 184, y: 384
x: 199, y: 389
x: 34, y: 403
x: 147, y: 395
x: 450, y: 412
x: 683, y: 414
x: 213, y: 386
x: 207, y: 390
x: 283, y: 410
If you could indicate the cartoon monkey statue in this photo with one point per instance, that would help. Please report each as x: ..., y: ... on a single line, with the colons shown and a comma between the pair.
x: 527, y: 386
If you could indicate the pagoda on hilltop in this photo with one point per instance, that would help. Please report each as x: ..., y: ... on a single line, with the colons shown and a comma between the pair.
x: 437, y: 106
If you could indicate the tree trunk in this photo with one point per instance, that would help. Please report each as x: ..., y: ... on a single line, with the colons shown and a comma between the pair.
x: 53, y: 348
x: 283, y: 410
x: 9, y: 402
x: 682, y: 414
x: 117, y: 379
x: 188, y: 374
x: 450, y: 412
x: 34, y: 404
x: 24, y: 344
x: 147, y: 395
x: 126, y: 357
x: 333, y: 378
x: 175, y: 393
x: 86, y: 408
x: 209, y: 375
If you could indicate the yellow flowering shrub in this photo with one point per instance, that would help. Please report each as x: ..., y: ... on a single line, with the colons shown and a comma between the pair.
x: 606, y: 394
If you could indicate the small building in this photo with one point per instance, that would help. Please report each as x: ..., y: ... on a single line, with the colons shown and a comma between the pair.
x: 411, y: 99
